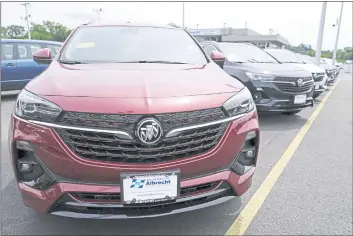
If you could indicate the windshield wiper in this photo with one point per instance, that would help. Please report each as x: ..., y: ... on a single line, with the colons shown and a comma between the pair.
x: 68, y: 62
x: 161, y: 62
x: 238, y: 61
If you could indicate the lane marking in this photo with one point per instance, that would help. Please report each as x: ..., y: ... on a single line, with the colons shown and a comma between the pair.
x: 245, y: 217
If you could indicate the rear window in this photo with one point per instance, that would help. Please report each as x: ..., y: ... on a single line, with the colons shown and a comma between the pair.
x: 25, y: 51
x: 7, y: 51
x: 132, y: 44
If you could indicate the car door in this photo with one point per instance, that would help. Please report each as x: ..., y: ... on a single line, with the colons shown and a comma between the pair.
x: 26, y: 66
x: 9, y: 75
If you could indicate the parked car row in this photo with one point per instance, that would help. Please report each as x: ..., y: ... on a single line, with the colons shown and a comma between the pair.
x: 17, y: 65
x: 275, y: 86
x: 332, y: 72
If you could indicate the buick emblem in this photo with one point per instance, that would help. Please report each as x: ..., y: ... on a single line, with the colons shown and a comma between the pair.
x: 300, y: 82
x: 149, y: 131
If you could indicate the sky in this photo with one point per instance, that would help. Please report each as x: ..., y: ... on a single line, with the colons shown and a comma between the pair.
x: 297, y: 21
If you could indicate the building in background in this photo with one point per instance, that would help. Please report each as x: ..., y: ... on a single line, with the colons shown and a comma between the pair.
x: 271, y: 40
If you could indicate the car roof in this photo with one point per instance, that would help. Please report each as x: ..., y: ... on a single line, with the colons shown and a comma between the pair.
x: 30, y: 41
x: 95, y: 24
x: 229, y: 43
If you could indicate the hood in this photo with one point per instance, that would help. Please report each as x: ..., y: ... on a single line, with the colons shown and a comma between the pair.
x: 311, y: 68
x: 327, y: 66
x: 273, y: 69
x: 133, y: 80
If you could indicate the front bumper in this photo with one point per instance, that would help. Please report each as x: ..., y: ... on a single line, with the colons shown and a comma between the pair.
x: 60, y: 198
x: 72, y: 174
x: 284, y: 105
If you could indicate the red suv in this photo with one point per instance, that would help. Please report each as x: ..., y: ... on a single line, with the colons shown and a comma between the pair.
x: 132, y: 121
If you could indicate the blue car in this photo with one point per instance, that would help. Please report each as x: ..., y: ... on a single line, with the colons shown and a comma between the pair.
x: 17, y: 65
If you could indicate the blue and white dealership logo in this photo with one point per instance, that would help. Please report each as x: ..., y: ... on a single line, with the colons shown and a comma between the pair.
x: 140, y: 183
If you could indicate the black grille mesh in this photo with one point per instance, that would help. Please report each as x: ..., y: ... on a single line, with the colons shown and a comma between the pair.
x: 294, y: 88
x: 108, y: 147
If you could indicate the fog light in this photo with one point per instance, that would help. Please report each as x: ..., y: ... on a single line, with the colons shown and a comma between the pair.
x: 25, y: 167
x: 250, y: 153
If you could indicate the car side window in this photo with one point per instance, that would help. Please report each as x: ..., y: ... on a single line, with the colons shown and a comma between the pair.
x: 54, y: 49
x: 7, y: 51
x: 26, y: 50
x: 208, y: 49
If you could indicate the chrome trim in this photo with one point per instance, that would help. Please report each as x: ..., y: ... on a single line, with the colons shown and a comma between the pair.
x: 175, y: 132
x: 121, y: 134
x: 309, y: 81
x: 280, y: 82
x: 126, y: 135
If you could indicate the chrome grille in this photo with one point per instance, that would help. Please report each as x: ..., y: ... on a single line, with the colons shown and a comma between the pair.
x: 110, y: 148
x: 283, y: 84
x: 127, y: 122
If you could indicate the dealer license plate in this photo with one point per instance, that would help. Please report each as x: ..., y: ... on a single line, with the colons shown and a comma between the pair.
x: 300, y: 99
x: 149, y: 187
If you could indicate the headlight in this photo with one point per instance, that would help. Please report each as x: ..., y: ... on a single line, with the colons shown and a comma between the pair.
x: 240, y: 103
x: 32, y: 107
x: 255, y: 76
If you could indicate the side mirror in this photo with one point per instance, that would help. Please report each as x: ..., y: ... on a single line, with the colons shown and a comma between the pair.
x: 218, y: 58
x: 43, y: 56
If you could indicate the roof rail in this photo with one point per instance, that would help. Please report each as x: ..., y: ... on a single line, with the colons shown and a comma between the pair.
x: 88, y: 22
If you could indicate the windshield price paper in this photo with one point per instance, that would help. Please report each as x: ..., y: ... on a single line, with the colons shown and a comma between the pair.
x: 150, y: 188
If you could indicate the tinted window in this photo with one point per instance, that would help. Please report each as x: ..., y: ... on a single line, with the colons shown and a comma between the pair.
x: 285, y: 56
x: 25, y: 51
x: 132, y: 44
x: 7, y: 51
x: 245, y: 53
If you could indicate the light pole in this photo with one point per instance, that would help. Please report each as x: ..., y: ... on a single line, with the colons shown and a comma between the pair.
x: 99, y: 12
x: 321, y: 33
x: 26, y: 18
x: 337, y: 36
x: 183, y: 24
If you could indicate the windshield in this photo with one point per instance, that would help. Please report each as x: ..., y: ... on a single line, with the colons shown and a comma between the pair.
x: 245, y: 53
x: 307, y: 59
x: 113, y: 44
x: 285, y: 56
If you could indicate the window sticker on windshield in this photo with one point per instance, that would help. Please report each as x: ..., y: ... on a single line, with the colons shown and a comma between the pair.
x: 85, y: 45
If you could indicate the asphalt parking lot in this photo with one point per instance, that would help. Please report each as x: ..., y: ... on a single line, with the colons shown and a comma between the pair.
x: 313, y: 195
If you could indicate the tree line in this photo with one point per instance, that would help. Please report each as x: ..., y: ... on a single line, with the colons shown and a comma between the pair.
x: 341, y: 56
x: 49, y: 30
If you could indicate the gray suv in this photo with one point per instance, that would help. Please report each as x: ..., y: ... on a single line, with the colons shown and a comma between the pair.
x: 275, y: 87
